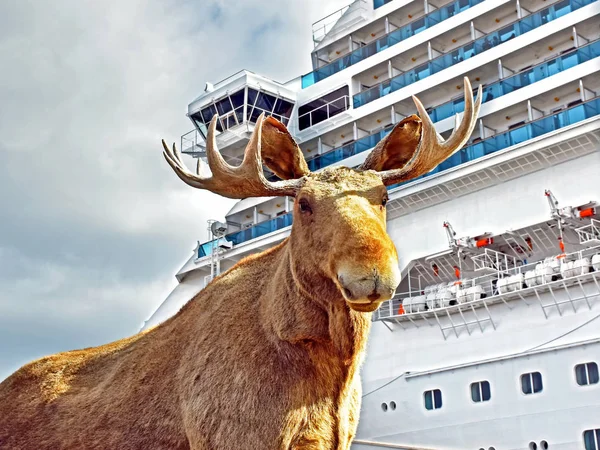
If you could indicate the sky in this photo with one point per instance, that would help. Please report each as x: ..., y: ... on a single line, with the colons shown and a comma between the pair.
x: 93, y: 223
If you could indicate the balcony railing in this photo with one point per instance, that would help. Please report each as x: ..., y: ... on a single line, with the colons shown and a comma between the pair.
x: 260, y: 229
x: 474, y: 48
x: 324, y: 112
x: 402, y: 33
x: 380, y: 3
x: 518, y: 135
x: 521, y: 79
x: 345, y: 151
x: 488, y: 146
x: 448, y: 109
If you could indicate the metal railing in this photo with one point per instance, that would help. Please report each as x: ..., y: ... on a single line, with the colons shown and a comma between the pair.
x: 321, y: 27
x: 469, y: 50
x: 491, y: 145
x: 323, y: 112
x: 394, y: 37
x: 523, y: 78
x: 565, y: 272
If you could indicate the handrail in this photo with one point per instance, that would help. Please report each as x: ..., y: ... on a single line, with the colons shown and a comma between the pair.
x: 382, y: 43
x: 493, y: 290
x: 466, y: 51
x: 329, y: 114
x: 324, y: 104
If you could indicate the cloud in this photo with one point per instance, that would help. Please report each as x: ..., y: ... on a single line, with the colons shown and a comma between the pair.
x: 94, y: 224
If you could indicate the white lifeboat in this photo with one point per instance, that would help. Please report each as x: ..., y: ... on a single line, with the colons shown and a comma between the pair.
x: 596, y: 262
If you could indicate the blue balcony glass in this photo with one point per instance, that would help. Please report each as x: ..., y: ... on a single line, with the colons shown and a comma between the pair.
x: 380, y: 3
x: 518, y: 135
x: 468, y: 51
x: 402, y: 33
x: 521, y: 79
x: 488, y: 146
x: 260, y: 229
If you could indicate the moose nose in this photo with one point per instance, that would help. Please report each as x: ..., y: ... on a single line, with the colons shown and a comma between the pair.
x: 361, y: 288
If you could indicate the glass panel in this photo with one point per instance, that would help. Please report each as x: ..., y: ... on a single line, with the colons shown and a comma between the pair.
x: 486, y: 393
x: 208, y: 113
x: 224, y: 106
x: 283, y: 108
x: 437, y: 395
x: 526, y: 383
x: 581, y: 374
x: 476, y: 47
x: 589, y: 440
x: 237, y: 98
x: 537, y: 382
x: 593, y: 373
x: 386, y: 41
x: 428, y: 400
x: 475, y: 395
x: 265, y: 101
x: 252, y: 94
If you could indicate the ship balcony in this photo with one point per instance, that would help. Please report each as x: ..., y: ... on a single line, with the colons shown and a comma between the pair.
x: 512, y: 126
x: 332, y: 49
x: 467, y: 51
x: 353, y: 139
x: 393, y: 37
x: 548, y: 115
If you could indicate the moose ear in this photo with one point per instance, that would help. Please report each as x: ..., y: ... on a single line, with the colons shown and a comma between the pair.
x: 397, y: 148
x: 279, y: 151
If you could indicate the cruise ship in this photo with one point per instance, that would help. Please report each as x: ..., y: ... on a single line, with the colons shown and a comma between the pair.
x: 492, y: 341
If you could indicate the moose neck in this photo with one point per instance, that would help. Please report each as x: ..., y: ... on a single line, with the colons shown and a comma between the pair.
x: 304, y: 307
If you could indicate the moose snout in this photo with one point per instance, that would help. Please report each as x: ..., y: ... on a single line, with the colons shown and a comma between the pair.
x: 365, y: 291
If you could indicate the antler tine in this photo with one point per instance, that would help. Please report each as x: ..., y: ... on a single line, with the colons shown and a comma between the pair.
x: 246, y: 180
x: 432, y: 148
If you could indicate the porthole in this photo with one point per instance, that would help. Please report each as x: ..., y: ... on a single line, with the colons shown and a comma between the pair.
x: 384, y: 406
x: 544, y: 445
x: 393, y: 405
x: 492, y: 448
x: 532, y: 446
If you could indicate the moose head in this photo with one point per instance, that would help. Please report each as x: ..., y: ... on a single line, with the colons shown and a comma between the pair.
x: 339, y: 246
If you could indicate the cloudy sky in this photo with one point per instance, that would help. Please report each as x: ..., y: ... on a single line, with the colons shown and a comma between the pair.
x: 93, y: 223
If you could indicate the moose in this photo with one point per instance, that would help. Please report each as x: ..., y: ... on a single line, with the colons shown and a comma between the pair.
x: 268, y: 355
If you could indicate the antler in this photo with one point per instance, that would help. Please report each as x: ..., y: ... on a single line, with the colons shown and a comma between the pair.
x: 246, y: 180
x: 432, y: 149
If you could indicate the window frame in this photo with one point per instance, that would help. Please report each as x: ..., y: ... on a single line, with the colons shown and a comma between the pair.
x: 531, y: 383
x: 596, y: 435
x: 587, y: 373
x: 433, y: 401
x: 480, y: 386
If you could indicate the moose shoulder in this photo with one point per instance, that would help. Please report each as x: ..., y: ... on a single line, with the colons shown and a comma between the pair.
x: 268, y: 355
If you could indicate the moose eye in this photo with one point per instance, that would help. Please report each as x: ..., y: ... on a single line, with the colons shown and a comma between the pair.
x: 384, y: 201
x: 304, y: 206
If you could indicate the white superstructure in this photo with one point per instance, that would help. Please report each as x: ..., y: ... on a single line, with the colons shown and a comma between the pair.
x: 493, y: 340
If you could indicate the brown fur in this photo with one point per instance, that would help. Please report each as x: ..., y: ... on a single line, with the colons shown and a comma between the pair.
x: 266, y: 357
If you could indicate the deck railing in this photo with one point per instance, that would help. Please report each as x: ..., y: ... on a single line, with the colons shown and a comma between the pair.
x: 402, y: 33
x: 488, y: 146
x: 470, y: 50
x: 562, y: 272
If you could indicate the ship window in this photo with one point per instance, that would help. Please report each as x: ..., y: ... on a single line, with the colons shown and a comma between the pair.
x: 531, y: 383
x: 323, y: 108
x: 393, y: 405
x: 544, y: 445
x: 586, y: 373
x: 384, y: 407
x: 591, y: 439
x: 433, y: 399
x: 480, y: 391
x: 259, y: 102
